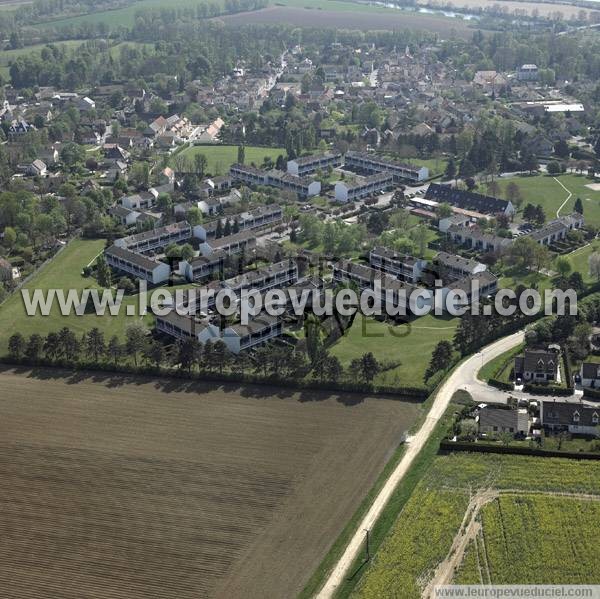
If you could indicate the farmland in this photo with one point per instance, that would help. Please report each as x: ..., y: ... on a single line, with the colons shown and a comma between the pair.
x: 511, y: 527
x: 219, y: 158
x: 135, y: 488
x: 347, y: 15
x: 422, y: 536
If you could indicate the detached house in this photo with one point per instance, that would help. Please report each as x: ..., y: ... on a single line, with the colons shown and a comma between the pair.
x: 590, y: 375
x: 538, y: 365
x: 578, y: 418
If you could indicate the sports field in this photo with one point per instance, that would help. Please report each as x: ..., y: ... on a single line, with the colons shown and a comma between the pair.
x: 533, y: 520
x: 132, y: 488
x: 220, y: 157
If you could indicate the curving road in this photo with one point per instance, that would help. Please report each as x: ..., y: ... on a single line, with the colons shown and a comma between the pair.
x: 463, y: 377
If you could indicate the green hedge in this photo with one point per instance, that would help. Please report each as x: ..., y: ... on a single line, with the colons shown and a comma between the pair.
x: 548, y: 389
x: 500, y: 384
x: 591, y: 393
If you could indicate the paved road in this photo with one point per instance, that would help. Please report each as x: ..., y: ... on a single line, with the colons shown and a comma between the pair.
x: 463, y: 377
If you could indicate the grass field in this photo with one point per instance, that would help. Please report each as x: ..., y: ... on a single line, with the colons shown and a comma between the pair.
x: 128, y: 487
x: 411, y: 345
x: 492, y: 368
x: 424, y: 532
x: 64, y: 272
x: 220, y: 158
x: 545, y: 190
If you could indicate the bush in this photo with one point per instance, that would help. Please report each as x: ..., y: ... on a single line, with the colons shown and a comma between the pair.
x: 501, y: 385
x: 548, y: 390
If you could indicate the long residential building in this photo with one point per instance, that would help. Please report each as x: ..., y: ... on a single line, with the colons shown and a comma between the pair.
x: 348, y: 192
x: 203, y: 267
x: 475, y: 238
x: 457, y: 267
x: 468, y: 200
x: 373, y: 164
x: 307, y: 165
x: 136, y: 264
x: 261, y: 328
x: 230, y: 244
x: 280, y: 274
x: 251, y: 219
x: 406, y: 268
x: 557, y: 229
x: 186, y: 327
x: 392, y: 291
x: 160, y: 237
x: 302, y: 186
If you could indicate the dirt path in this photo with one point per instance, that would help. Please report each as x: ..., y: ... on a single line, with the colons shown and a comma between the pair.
x: 464, y: 373
x: 569, y: 196
x: 469, y: 529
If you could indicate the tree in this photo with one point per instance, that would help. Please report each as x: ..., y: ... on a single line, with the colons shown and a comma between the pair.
x: 187, y: 352
x: 312, y: 332
x: 561, y: 149
x: 443, y: 210
x: 103, y: 272
x: 68, y: 344
x: 16, y: 346
x: 94, y: 344
x: 513, y: 194
x: 34, y: 348
x: 135, y: 338
x: 529, y: 212
x: 529, y: 161
x: 540, y: 215
x: 578, y: 206
x: 440, y: 358
x: 369, y: 367
x: 450, y: 169
x: 241, y: 154
x: 332, y: 368
x: 9, y: 239
x: 51, y: 346
x: 221, y: 355
x: 553, y: 168
x: 594, y: 265
x: 114, y: 349
x: 563, y: 266
x: 155, y: 352
x: 467, y: 169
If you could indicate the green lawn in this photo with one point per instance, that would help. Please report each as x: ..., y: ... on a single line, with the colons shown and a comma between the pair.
x: 64, y: 272
x: 220, y: 158
x: 492, y: 368
x: 579, y: 259
x: 545, y: 190
x: 410, y: 345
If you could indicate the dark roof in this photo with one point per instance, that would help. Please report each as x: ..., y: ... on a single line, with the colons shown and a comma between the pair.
x: 467, y: 200
x: 132, y: 257
x: 590, y: 370
x: 559, y: 412
x: 393, y: 255
x: 499, y: 417
x: 540, y: 360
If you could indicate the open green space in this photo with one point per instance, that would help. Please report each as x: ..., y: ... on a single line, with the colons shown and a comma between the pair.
x: 407, y: 348
x: 63, y: 272
x: 546, y: 191
x: 220, y: 158
x: 424, y: 531
x: 500, y: 366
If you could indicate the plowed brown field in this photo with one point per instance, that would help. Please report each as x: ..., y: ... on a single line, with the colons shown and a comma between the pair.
x: 116, y: 487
